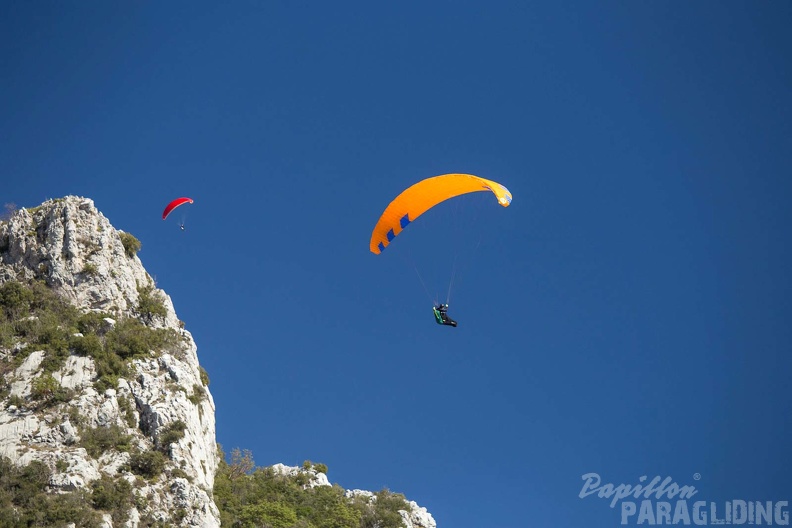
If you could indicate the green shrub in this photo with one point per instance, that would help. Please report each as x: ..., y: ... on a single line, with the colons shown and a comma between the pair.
x: 91, y: 322
x: 302, y: 479
x: 25, y: 502
x: 90, y: 269
x: 263, y: 498
x: 100, y: 439
x: 308, y: 465
x: 53, y: 362
x: 114, y: 496
x: 125, y: 405
x: 66, y: 509
x: 75, y: 417
x: 270, y: 514
x: 147, y: 464
x: 34, y: 314
x: 44, y: 386
x: 17, y: 401
x: 28, y: 329
x: 5, y: 387
x: 386, y: 509
x: 28, y: 481
x: 170, y: 434
x: 179, y: 515
x: 88, y: 345
x: 62, y: 395
x: 7, y: 333
x: 204, y: 376
x: 46, y: 300
x: 198, y: 394
x: 131, y: 244
x: 48, y: 391
x: 130, y: 338
x: 180, y: 473
x: 15, y: 299
x: 55, y: 341
x: 109, y: 367
x: 141, y: 502
x: 151, y: 302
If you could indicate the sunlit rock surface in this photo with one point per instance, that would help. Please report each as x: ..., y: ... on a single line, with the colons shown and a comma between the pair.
x: 73, y: 248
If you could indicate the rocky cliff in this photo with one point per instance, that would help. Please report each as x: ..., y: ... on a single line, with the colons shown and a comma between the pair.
x: 101, y: 388
x: 102, y: 418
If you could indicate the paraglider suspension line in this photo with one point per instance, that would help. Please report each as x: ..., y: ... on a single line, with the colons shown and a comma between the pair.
x: 455, y: 268
x: 451, y: 282
x: 422, y: 281
x: 423, y: 284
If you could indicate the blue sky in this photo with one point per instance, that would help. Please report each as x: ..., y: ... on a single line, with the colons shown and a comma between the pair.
x: 628, y: 314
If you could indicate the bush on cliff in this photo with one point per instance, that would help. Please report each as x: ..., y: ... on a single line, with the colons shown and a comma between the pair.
x: 250, y: 496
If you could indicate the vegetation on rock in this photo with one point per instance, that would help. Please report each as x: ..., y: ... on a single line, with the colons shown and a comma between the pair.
x: 204, y: 376
x: 150, y: 302
x: 249, y: 497
x: 170, y: 434
x: 33, y: 317
x: 98, y: 440
x: 131, y: 244
x: 24, y: 500
x: 147, y: 464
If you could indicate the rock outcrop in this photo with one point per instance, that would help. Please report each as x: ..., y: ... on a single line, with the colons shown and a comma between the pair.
x: 108, y: 396
x: 416, y: 517
x: 74, y: 249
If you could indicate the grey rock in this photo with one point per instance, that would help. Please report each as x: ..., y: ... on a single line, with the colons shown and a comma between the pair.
x: 73, y: 248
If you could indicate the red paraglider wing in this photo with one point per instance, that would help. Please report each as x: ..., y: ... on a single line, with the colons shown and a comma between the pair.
x: 174, y: 204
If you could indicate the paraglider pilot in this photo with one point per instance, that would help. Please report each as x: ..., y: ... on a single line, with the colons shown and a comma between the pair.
x: 181, y: 226
x: 441, y: 315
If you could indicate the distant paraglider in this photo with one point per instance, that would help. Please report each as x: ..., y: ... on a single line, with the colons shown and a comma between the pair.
x: 173, y: 205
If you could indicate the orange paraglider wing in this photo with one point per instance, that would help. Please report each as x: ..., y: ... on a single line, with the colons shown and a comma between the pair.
x: 419, y: 198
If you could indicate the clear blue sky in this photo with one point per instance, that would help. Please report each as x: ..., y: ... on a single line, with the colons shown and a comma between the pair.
x: 628, y: 315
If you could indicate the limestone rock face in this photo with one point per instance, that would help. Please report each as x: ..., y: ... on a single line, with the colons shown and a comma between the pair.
x: 79, y: 253
x: 74, y: 249
x: 415, y: 517
x: 316, y: 478
x: 151, y: 424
